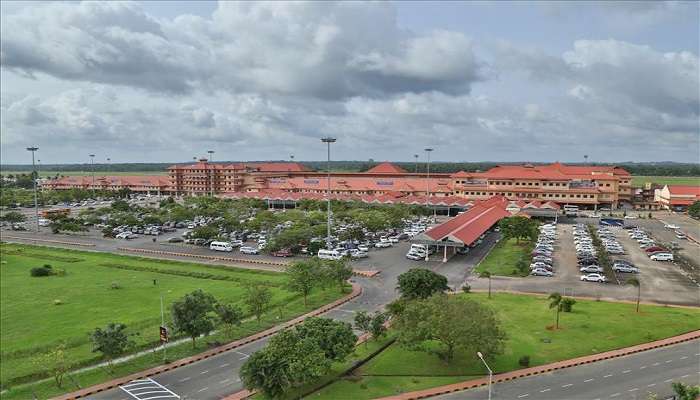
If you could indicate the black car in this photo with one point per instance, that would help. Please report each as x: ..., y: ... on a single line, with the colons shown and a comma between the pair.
x: 588, y: 261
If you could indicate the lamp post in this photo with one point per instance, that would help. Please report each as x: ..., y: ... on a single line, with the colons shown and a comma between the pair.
x: 427, y: 189
x: 328, y: 140
x: 92, y: 169
x: 481, y: 356
x: 211, y: 174
x: 416, y: 157
x: 34, y: 178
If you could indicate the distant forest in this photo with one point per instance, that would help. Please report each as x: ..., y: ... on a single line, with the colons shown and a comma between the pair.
x: 642, y: 169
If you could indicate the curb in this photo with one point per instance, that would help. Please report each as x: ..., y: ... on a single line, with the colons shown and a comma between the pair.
x: 356, y: 291
x: 366, y: 274
x: 202, y: 256
x: 542, y: 369
x: 49, y: 241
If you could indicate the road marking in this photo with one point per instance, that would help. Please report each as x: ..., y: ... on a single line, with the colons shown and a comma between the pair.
x: 615, y: 395
x: 668, y: 380
x: 587, y: 380
x: 651, y: 385
x: 204, y: 372
x: 685, y: 376
x: 185, y: 379
x: 545, y: 390
x: 684, y: 357
x: 627, y: 371
x: 567, y: 385
x: 697, y: 354
x: 655, y: 364
x: 642, y: 367
x: 203, y: 389
x: 607, y: 376
x: 224, y: 381
x: 668, y: 361
x: 523, y: 395
x: 633, y: 390
x: 224, y: 365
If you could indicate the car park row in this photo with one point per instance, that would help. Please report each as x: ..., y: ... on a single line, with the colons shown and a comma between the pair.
x: 542, y: 264
x: 653, y: 250
x: 587, y: 256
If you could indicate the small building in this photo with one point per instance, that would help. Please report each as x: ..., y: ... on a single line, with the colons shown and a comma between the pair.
x: 677, y: 197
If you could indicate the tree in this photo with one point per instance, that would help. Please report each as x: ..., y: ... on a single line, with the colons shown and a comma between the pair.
x: 518, y: 228
x: 635, y: 282
x: 314, y: 246
x: 13, y: 217
x: 363, y: 323
x: 694, y: 210
x: 418, y: 283
x: 337, y: 272
x: 111, y: 341
x: 205, y: 232
x: 56, y: 363
x: 522, y: 266
x: 120, y: 205
x: 258, y: 300
x: 352, y: 233
x: 555, y: 302
x: 377, y: 327
x: 567, y: 304
x: 456, y: 322
x: 229, y: 315
x: 192, y: 314
x: 267, y: 372
x: 685, y: 392
x: 335, y: 338
x: 487, y: 275
x: 303, y: 276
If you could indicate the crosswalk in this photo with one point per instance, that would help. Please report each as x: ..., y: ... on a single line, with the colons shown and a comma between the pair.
x: 148, y: 389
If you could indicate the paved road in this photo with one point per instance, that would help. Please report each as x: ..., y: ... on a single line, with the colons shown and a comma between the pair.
x: 629, y: 377
x: 217, y: 376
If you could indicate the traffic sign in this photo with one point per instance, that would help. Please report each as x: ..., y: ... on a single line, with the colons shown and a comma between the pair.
x: 163, y: 334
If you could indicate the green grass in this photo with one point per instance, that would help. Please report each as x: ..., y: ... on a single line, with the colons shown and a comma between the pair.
x: 666, y: 180
x: 32, y: 324
x: 503, y: 257
x: 86, y: 173
x: 592, y: 327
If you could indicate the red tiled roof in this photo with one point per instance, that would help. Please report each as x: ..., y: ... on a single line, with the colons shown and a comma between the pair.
x: 386, y: 168
x: 682, y: 202
x: 684, y: 190
x: 374, y: 184
x: 467, y: 227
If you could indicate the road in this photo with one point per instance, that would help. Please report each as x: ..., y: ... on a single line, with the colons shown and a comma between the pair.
x: 217, y: 376
x: 629, y: 377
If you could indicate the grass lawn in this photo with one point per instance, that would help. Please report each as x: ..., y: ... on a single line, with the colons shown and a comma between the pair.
x: 503, y: 257
x: 592, y: 327
x: 86, y: 173
x: 666, y: 180
x: 32, y: 324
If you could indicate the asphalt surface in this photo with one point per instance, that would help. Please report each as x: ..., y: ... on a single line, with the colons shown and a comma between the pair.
x: 630, y: 377
x: 217, y: 376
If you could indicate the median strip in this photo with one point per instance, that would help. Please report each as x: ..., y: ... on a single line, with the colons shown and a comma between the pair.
x: 48, y: 241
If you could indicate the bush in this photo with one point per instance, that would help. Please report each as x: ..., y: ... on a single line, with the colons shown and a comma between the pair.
x: 466, y: 288
x: 40, y: 271
x: 567, y: 304
x: 115, y: 285
x: 524, y: 361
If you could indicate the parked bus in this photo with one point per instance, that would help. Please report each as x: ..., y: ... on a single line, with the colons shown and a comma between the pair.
x: 571, y: 211
x: 56, y: 212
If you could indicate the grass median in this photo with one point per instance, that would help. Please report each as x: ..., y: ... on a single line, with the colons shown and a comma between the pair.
x: 592, y: 327
x: 40, y: 313
x: 504, y: 256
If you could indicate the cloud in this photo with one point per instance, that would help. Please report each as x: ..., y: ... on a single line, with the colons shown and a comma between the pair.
x: 317, y: 49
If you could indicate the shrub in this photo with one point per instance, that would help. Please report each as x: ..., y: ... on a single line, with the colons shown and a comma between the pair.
x: 524, y: 361
x: 466, y: 288
x: 40, y: 271
x: 567, y: 304
x: 115, y: 285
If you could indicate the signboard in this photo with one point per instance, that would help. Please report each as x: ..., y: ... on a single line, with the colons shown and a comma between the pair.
x: 385, y: 183
x: 163, y: 334
x: 277, y: 180
x: 311, y: 181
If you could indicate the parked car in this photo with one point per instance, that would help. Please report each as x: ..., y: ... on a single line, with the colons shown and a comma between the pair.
x: 662, y: 257
x: 382, y: 244
x: 249, y: 250
x: 174, y: 240
x: 414, y: 256
x: 625, y: 268
x: 593, y: 278
x: 591, y: 269
x: 541, y: 272
x: 282, y: 253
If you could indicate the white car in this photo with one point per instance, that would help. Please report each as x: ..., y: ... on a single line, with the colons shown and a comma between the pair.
x: 362, y: 247
x: 541, y: 272
x: 662, y: 257
x: 382, y: 244
x: 671, y: 226
x: 591, y: 269
x: 356, y: 253
x: 414, y: 256
x: 625, y: 268
x: 249, y: 250
x: 593, y: 278
x: 394, y: 239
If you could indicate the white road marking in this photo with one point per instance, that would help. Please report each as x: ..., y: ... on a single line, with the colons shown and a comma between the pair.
x: 615, y: 395
x: 607, y: 376
x: 655, y: 364
x: 668, y: 380
x: 627, y: 371
x: 587, y: 380
x: 697, y: 354
x: 642, y: 367
x: 185, y: 379
x: 684, y: 357
x: 203, y: 389
x: 347, y: 311
x: 224, y: 381
x: 651, y: 385
x: 243, y: 354
x: 633, y: 390
x: 523, y: 395
x: 545, y: 390
x: 668, y: 361
x: 204, y: 372
x: 224, y: 365
x: 567, y: 385
x: 685, y: 376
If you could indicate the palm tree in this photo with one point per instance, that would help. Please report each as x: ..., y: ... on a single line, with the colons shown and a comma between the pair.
x: 555, y: 302
x: 635, y: 282
x: 486, y: 274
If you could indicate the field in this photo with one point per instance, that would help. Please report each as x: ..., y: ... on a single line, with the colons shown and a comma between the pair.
x: 32, y: 323
x: 503, y: 257
x: 666, y: 180
x: 592, y: 327
x: 44, y: 174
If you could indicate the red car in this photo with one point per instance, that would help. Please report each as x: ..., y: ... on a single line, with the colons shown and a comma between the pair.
x: 282, y: 253
x: 654, y: 249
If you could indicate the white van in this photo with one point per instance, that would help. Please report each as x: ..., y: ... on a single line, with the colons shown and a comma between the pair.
x: 329, y: 255
x: 44, y: 222
x: 221, y: 246
x: 418, y: 248
x: 662, y: 257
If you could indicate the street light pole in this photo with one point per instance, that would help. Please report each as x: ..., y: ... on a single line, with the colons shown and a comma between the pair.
x: 481, y: 356
x: 211, y: 174
x: 328, y: 141
x: 92, y: 168
x: 34, y: 178
x: 416, y: 157
x: 427, y: 191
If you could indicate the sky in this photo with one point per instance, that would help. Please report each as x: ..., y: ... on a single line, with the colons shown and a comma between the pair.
x: 167, y: 81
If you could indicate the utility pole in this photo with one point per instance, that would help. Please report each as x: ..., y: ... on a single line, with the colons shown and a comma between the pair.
x: 92, y: 168
x: 34, y: 178
x: 162, y: 323
x: 211, y: 174
x: 416, y: 157
x: 428, y: 150
x: 481, y: 356
x: 328, y: 141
